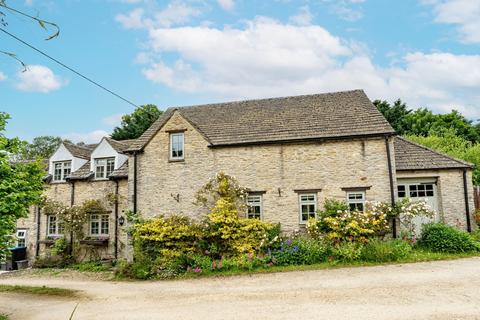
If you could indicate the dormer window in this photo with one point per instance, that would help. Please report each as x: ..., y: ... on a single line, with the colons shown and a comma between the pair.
x: 61, y: 170
x: 176, y: 146
x: 104, y: 167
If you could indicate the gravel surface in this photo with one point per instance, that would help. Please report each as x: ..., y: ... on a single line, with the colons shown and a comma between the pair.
x: 432, y: 290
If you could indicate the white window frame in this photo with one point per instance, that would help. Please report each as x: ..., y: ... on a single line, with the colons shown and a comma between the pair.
x: 305, y: 199
x: 427, y: 188
x: 182, y: 144
x: 99, y: 219
x: 254, y: 201
x: 65, y: 168
x: 57, y: 227
x: 356, y: 201
x: 105, y: 166
x: 21, y: 235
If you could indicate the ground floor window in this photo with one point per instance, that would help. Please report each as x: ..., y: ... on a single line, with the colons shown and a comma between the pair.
x: 422, y: 190
x: 99, y: 224
x: 21, y: 238
x: 356, y: 200
x: 308, y: 206
x: 254, y: 203
x: 54, y: 226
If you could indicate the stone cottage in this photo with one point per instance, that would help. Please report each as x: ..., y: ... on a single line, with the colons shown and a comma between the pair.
x: 291, y: 153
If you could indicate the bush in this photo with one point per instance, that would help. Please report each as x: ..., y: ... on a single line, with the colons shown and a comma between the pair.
x: 50, y: 262
x: 477, y: 217
x: 139, y: 269
x: 439, y: 237
x: 300, y: 252
x: 347, y: 251
x: 386, y: 251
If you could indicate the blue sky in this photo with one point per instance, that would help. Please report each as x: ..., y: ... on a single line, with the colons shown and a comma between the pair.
x: 183, y: 52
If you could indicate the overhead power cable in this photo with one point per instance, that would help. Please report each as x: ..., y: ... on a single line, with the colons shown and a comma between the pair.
x: 68, y: 68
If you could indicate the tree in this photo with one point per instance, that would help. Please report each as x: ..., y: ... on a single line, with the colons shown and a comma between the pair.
x: 42, y: 147
x: 21, y: 185
x: 134, y: 125
x: 395, y: 114
x: 452, y: 144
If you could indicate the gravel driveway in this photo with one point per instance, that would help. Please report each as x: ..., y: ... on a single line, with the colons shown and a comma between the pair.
x: 433, y: 290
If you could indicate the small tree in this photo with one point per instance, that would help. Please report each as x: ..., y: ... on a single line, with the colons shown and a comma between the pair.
x: 134, y: 125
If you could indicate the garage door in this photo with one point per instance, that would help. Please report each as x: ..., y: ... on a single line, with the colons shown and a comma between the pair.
x: 420, y: 190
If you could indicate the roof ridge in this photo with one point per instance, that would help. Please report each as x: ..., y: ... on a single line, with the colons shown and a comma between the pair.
x: 434, y: 151
x: 212, y: 104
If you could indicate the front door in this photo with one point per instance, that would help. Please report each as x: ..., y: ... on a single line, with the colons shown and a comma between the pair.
x: 420, y: 190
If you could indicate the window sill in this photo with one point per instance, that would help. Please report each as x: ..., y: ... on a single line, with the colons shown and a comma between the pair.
x: 176, y: 160
x: 59, y: 182
x: 95, y: 242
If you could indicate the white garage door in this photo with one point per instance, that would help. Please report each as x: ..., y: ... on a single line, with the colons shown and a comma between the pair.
x: 420, y: 190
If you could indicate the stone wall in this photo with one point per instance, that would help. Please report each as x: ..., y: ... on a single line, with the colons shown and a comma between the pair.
x: 166, y: 187
x: 84, y: 190
x: 451, y: 197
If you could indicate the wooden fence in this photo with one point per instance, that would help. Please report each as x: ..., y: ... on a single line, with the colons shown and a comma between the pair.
x: 477, y: 197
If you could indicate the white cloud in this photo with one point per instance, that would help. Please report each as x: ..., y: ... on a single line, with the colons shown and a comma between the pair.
x: 38, y: 78
x: 463, y: 13
x: 175, y: 13
x: 113, y: 120
x: 227, y: 5
x: 87, y: 137
x: 267, y: 58
x: 2, y: 76
x: 303, y: 17
x: 347, y: 10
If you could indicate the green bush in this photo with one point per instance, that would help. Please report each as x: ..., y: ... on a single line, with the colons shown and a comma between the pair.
x: 139, y: 269
x: 300, y: 252
x: 385, y: 251
x: 50, y: 262
x: 439, y: 237
x: 347, y: 251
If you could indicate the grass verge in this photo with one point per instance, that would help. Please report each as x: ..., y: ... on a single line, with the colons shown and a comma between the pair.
x: 37, y: 290
x: 3, y: 317
x: 417, y: 255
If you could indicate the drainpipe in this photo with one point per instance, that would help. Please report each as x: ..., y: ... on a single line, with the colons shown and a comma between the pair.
x: 135, y: 183
x: 467, y: 202
x: 116, y: 219
x: 72, y: 203
x: 37, y: 245
x: 392, y: 189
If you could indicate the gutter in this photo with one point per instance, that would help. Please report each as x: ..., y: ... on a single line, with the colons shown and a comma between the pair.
x: 116, y: 219
x: 72, y: 203
x: 392, y: 188
x: 37, y: 245
x: 135, y: 182
x: 467, y: 204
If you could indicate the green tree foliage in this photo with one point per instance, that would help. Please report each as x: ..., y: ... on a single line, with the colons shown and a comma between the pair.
x: 134, y: 125
x: 42, y: 147
x: 21, y: 185
x: 423, y: 122
x: 450, y: 143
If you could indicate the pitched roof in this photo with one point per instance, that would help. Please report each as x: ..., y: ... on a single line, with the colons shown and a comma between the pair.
x: 80, y: 151
x: 319, y: 116
x: 121, y: 172
x: 120, y: 145
x: 82, y: 173
x: 412, y: 156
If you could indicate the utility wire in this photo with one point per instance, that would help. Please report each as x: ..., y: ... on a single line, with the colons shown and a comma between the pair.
x: 67, y: 67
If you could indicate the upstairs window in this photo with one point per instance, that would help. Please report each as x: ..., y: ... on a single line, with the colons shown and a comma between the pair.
x: 356, y: 201
x: 177, y: 146
x: 104, y: 167
x: 99, y: 225
x: 308, y: 206
x: 61, y: 170
x: 254, y: 203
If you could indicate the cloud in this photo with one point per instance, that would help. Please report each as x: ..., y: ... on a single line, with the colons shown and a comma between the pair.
x: 227, y: 5
x: 175, y: 13
x: 465, y: 14
x: 347, y: 10
x: 113, y: 120
x: 87, y: 137
x: 2, y: 76
x: 38, y: 78
x: 303, y: 17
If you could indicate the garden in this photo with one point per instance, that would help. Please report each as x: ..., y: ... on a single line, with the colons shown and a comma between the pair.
x: 223, y: 242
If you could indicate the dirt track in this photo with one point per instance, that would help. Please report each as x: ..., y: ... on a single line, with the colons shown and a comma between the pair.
x: 434, y: 290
